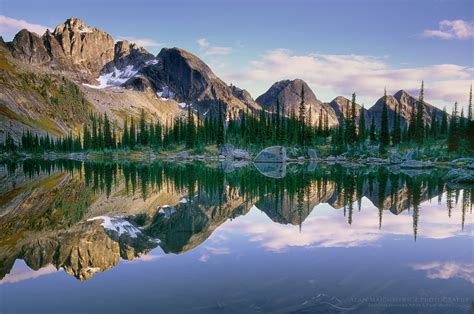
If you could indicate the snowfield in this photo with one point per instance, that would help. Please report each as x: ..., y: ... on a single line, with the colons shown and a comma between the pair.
x: 114, y: 78
x: 119, y: 225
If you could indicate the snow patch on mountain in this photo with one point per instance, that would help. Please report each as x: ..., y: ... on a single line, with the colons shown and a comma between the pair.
x: 165, y: 93
x: 167, y: 210
x: 119, y: 225
x: 115, y: 78
x: 151, y: 62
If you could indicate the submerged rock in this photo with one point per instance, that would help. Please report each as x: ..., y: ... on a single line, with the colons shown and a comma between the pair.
x: 272, y: 170
x: 240, y: 154
x: 415, y: 164
x: 460, y: 176
x: 230, y: 152
x: 461, y: 162
x: 272, y: 154
x: 184, y: 155
x: 396, y: 158
x: 376, y: 161
x: 312, y: 154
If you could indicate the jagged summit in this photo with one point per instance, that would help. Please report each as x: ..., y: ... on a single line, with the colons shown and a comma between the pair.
x: 288, y: 93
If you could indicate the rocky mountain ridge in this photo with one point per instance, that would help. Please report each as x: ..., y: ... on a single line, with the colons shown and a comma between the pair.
x: 121, y: 79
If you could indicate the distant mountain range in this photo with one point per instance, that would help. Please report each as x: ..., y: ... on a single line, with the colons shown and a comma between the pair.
x: 50, y: 83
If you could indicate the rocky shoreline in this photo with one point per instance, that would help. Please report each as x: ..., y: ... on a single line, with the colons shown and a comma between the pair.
x: 461, y: 170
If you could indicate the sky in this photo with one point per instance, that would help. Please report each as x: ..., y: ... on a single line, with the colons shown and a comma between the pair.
x: 338, y: 47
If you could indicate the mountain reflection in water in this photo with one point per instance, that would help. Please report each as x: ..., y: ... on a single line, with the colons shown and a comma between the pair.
x: 84, y: 217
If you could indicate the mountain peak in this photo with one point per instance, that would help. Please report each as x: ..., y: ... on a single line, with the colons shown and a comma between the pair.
x: 75, y: 24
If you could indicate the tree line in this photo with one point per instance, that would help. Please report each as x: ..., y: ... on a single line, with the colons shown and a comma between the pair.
x: 282, y: 126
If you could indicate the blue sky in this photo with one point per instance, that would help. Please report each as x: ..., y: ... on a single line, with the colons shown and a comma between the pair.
x: 337, y: 46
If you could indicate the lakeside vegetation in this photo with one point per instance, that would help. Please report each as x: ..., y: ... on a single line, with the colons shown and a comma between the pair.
x: 451, y: 136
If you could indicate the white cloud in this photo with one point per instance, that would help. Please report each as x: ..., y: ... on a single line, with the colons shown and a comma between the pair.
x: 447, y: 270
x: 142, y: 42
x: 203, y: 42
x: 210, y: 50
x: 217, y: 51
x: 328, y: 228
x: 455, y: 29
x: 10, y: 26
x: 366, y: 75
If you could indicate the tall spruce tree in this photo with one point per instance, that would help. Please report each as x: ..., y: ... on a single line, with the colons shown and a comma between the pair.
x: 190, y: 130
x: 444, y: 123
x: 220, y: 123
x: 362, y: 135
x: 107, y: 132
x: 372, y: 134
x: 132, y: 134
x: 453, y: 140
x: 143, y: 136
x: 301, y: 120
x: 420, y: 123
x: 125, y: 135
x: 470, y: 122
x: 384, y: 133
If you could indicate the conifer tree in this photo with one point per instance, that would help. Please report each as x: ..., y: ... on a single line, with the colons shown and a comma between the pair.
x: 373, y: 136
x: 220, y: 124
x: 362, y: 125
x: 143, y: 131
x: 132, y: 134
x: 453, y: 130
x: 125, y: 135
x: 470, y: 122
x: 302, y: 124
x: 107, y: 132
x: 420, y: 123
x: 86, y: 136
x: 384, y: 133
x: 190, y: 130
x: 95, y: 142
x: 444, y: 123
x: 352, y: 121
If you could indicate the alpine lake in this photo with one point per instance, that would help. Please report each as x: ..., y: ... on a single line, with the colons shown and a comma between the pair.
x: 161, y: 237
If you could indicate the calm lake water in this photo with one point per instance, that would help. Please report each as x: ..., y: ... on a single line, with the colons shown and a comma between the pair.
x: 116, y: 237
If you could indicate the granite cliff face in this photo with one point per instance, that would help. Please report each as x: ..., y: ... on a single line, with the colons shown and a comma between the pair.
x: 72, y: 46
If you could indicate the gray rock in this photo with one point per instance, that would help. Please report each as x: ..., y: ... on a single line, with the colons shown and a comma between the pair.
x: 272, y: 154
x: 271, y: 170
x: 184, y: 155
x: 376, y: 161
x: 292, y: 152
x: 461, y: 162
x: 410, y: 155
x: 226, y: 149
x: 312, y: 154
x: 460, y: 176
x: 240, y: 154
x: 415, y: 164
x: 396, y: 158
